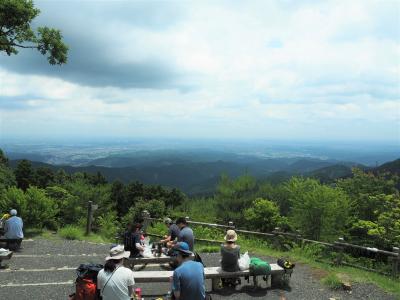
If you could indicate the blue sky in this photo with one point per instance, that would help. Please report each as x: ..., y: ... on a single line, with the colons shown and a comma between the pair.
x: 311, y: 70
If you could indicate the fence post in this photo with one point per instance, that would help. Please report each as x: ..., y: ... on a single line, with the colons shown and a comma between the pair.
x: 299, y: 240
x: 276, y: 239
x: 231, y: 224
x: 89, y: 218
x: 340, y: 249
x: 396, y: 262
x: 146, y: 221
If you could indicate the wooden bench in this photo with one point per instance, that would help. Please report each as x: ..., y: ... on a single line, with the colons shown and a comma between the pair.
x: 214, y: 273
x: 5, y: 256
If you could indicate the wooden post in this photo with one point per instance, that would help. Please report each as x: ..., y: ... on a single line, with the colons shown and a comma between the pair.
x: 340, y: 250
x: 396, y: 262
x: 89, y: 218
x: 298, y: 238
x: 146, y: 221
x: 231, y: 224
x: 276, y: 239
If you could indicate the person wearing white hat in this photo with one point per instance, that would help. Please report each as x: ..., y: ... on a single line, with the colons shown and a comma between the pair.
x: 13, y: 230
x: 115, y: 281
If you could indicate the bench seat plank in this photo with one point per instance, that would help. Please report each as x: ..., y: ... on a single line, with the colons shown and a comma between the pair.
x: 209, y: 273
x: 152, y: 276
x: 213, y: 272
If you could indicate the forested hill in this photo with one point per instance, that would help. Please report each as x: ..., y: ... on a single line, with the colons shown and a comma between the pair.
x: 201, y: 177
x: 196, y: 178
x: 392, y: 167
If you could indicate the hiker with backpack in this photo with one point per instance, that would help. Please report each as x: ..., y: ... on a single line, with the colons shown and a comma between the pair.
x: 115, y: 281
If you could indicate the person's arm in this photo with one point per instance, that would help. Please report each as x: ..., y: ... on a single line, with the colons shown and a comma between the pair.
x: 166, y: 240
x: 99, y: 282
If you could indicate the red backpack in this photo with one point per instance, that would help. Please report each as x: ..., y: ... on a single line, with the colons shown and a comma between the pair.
x: 86, y: 282
x: 86, y: 289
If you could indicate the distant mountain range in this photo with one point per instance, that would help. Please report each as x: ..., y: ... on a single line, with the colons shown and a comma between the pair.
x: 196, y: 177
x: 196, y: 171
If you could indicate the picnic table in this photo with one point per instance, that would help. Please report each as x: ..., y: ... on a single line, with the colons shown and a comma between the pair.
x: 154, y: 259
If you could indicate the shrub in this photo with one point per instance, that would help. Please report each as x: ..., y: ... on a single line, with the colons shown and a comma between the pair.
x: 109, y: 226
x: 263, y: 215
x: 13, y: 198
x: 42, y: 210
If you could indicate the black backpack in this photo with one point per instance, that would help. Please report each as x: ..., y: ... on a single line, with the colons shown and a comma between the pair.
x: 89, y: 271
x: 285, y: 264
x: 198, y: 258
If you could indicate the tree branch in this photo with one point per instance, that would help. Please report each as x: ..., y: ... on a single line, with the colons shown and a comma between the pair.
x: 18, y: 45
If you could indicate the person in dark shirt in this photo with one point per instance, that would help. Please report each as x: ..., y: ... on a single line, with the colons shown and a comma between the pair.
x: 230, y: 253
x: 173, y: 233
x: 133, y: 242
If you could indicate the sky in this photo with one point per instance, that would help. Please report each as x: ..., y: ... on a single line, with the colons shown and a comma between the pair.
x: 304, y: 70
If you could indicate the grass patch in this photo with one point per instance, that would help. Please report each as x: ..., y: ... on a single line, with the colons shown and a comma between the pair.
x: 71, y: 232
x: 332, y: 281
x: 206, y: 248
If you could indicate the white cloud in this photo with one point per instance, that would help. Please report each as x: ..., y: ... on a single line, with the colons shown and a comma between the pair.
x: 260, y: 69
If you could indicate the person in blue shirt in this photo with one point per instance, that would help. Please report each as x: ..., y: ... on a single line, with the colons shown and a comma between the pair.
x: 186, y: 233
x: 188, y: 278
x: 13, y: 230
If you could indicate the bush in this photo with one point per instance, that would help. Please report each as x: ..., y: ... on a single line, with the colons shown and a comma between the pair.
x: 42, y: 210
x: 71, y: 232
x: 13, y: 198
x: 156, y: 208
x: 109, y: 226
x: 263, y: 215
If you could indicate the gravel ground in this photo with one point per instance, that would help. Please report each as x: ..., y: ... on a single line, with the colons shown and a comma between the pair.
x: 45, y: 254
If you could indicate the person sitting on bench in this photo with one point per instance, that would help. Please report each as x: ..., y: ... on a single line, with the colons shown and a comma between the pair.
x: 13, y: 231
x: 173, y: 233
x: 230, y: 254
x: 186, y: 233
x: 133, y: 241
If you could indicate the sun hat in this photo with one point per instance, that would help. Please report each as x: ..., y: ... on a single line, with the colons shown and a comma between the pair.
x: 118, y: 252
x: 183, y: 248
x: 13, y: 212
x: 168, y: 221
x: 230, y: 236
